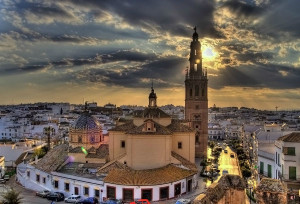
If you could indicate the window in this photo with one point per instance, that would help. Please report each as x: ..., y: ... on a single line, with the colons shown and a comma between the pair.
x: 203, y: 92
x: 67, y: 186
x: 122, y: 143
x: 128, y: 194
x: 196, y: 90
x: 269, y: 171
x: 177, y: 189
x: 37, y: 178
x: 191, y: 92
x: 197, y: 107
x: 179, y: 145
x: 147, y: 194
x: 276, y: 157
x: 195, y: 67
x: 97, y: 193
x: 261, y: 168
x: 289, y: 151
x: 111, y: 192
x: 44, y: 179
x: 86, y: 190
x: 164, y: 193
x: 292, y: 172
x: 28, y: 174
x: 197, y: 139
x: 55, y: 184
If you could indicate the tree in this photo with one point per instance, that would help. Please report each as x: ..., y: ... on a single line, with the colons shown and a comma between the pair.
x: 212, y: 144
x: 12, y: 197
x: 39, y: 152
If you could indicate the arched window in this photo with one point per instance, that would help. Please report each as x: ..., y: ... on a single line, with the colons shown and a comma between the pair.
x: 196, y: 90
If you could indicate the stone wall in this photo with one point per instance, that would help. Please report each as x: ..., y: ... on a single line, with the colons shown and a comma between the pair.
x: 271, y: 191
x: 229, y: 190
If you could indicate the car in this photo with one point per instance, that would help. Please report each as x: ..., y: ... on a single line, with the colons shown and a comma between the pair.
x: 183, y: 201
x: 214, y: 166
x: 224, y: 172
x: 6, y: 177
x: 2, y: 181
x: 43, y: 193
x: 56, y: 196
x: 232, y: 155
x: 72, y: 199
x: 225, y: 151
x: 141, y: 201
x: 89, y: 200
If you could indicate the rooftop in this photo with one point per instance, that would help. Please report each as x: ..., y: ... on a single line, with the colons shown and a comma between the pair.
x: 292, y: 137
x: 271, y: 185
x: 167, y: 174
x: 53, y: 159
x: 160, y: 130
x: 150, y: 113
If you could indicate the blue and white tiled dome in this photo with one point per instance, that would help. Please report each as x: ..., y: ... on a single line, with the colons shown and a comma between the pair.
x: 86, y: 122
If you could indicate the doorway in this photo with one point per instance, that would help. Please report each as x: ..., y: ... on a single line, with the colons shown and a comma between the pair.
x: 189, y: 185
x: 76, y: 190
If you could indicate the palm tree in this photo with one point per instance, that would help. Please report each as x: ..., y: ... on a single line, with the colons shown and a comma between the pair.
x: 12, y: 197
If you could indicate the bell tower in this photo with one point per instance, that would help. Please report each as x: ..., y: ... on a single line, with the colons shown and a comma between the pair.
x: 196, y: 102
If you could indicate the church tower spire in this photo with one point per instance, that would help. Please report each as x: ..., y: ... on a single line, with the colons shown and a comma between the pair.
x: 195, y: 56
x: 196, y: 101
x: 152, y: 98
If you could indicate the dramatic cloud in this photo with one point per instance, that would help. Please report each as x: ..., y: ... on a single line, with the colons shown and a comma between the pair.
x: 110, y: 46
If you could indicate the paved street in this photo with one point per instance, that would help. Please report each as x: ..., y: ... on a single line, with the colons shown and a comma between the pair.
x: 226, y: 163
x: 29, y: 196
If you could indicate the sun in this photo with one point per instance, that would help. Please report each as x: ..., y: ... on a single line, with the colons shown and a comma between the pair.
x: 209, y: 53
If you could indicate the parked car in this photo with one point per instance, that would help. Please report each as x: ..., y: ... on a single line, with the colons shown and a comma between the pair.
x: 43, y: 193
x: 224, y: 172
x: 232, y: 155
x: 141, y: 201
x: 183, y: 201
x: 6, y: 177
x: 2, y: 181
x: 89, y: 200
x: 56, y: 196
x: 73, y: 199
x: 112, y: 201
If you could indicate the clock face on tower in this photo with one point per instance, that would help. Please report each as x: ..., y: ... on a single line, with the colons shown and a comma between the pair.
x: 92, y: 138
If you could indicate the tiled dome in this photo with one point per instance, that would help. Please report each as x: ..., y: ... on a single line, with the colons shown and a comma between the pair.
x: 86, y: 122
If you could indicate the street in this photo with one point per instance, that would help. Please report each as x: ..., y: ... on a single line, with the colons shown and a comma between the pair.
x: 28, y: 196
x: 226, y: 163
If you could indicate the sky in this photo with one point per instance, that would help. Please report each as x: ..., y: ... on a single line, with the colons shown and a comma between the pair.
x: 110, y: 51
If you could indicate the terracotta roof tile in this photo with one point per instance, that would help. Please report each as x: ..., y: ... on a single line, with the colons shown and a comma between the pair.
x: 167, y: 174
x: 184, y: 162
x: 53, y: 159
x: 150, y: 113
x: 124, y: 127
x: 160, y: 130
x: 292, y: 137
x: 177, y: 126
x: 101, y: 152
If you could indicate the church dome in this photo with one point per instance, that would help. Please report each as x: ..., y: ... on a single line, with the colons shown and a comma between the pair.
x: 86, y: 122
